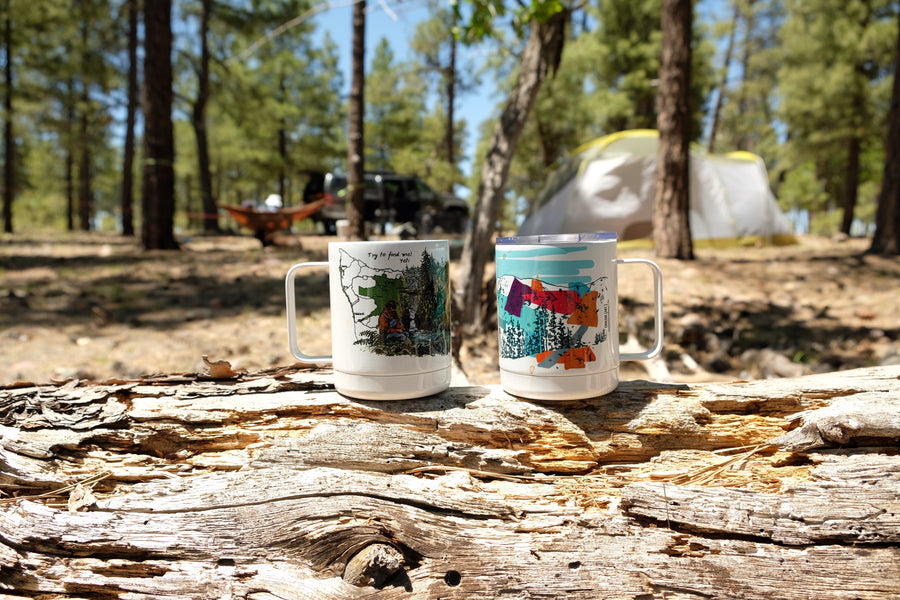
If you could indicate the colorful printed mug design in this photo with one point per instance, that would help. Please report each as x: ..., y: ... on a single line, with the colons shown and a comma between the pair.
x: 551, y: 323
x: 555, y: 318
x: 402, y: 311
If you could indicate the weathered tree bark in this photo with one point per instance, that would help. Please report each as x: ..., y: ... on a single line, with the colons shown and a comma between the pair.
x: 271, y: 485
x: 671, y: 223
x: 540, y: 57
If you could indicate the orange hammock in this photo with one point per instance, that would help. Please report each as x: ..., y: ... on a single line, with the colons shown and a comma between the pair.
x: 264, y: 222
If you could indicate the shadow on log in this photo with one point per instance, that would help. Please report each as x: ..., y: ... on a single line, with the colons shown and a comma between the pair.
x: 271, y: 485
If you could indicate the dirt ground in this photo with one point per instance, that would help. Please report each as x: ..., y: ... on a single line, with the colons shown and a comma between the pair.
x: 94, y: 306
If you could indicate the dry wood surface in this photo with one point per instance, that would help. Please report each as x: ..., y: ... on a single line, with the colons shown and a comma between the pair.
x: 270, y: 485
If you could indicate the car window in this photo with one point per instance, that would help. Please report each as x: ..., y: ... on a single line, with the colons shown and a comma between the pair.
x: 372, y: 190
x: 394, y: 190
x: 426, y: 193
x: 336, y: 185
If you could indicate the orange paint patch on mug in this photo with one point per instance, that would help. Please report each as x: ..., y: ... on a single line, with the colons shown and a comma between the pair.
x: 586, y: 311
x: 574, y: 358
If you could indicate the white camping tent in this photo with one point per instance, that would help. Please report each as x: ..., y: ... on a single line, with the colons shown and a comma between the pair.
x: 610, y: 183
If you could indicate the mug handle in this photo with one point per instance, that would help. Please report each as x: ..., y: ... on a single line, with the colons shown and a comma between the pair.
x: 657, y: 312
x: 292, y: 314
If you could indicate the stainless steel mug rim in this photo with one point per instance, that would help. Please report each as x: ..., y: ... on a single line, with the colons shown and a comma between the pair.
x: 558, y: 238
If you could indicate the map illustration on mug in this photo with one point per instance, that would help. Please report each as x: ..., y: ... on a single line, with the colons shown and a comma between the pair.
x: 390, y: 317
x: 401, y: 309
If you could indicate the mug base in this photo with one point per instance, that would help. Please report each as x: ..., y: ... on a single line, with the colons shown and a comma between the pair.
x: 559, y: 387
x: 392, y: 387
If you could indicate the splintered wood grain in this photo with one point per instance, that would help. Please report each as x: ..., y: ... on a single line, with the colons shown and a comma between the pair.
x: 268, y: 487
x: 310, y: 523
x: 836, y: 506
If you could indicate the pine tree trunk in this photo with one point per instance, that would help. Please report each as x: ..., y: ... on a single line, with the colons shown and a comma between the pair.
x: 194, y: 210
x: 85, y: 193
x: 851, y: 183
x: 130, y: 118
x: 887, y: 219
x: 671, y: 224
x: 70, y: 154
x: 356, y: 148
x: 9, y: 140
x: 540, y: 57
x: 70, y: 188
x: 159, y: 149
x: 723, y: 82
x: 198, y: 120
x: 85, y: 199
x: 744, y: 140
x: 283, y: 158
x: 451, y: 101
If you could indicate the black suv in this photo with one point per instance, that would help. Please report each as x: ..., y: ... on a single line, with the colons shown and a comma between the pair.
x: 389, y: 198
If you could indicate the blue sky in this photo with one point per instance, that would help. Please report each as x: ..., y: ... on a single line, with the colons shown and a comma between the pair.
x: 397, y: 20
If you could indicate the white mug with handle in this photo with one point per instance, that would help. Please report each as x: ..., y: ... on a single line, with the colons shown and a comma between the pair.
x: 557, y: 306
x: 390, y: 318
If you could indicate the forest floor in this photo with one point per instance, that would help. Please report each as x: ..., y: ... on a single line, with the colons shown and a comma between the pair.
x: 95, y: 306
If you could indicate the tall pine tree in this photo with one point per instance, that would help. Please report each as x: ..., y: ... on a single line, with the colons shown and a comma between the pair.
x: 887, y: 220
x: 158, y: 194
x: 671, y: 225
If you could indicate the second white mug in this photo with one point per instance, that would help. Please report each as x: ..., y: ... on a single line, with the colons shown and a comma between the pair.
x: 557, y: 305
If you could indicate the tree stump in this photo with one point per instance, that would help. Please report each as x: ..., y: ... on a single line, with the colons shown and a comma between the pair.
x: 271, y: 485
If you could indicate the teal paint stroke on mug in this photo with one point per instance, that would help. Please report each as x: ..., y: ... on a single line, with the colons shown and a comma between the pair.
x: 559, y: 272
x: 507, y: 253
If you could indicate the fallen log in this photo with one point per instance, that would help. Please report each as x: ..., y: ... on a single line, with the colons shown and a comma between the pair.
x: 271, y: 485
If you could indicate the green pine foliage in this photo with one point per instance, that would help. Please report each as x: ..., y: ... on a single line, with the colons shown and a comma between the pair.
x: 395, y: 108
x: 804, y: 79
x: 751, y: 96
x: 834, y: 85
